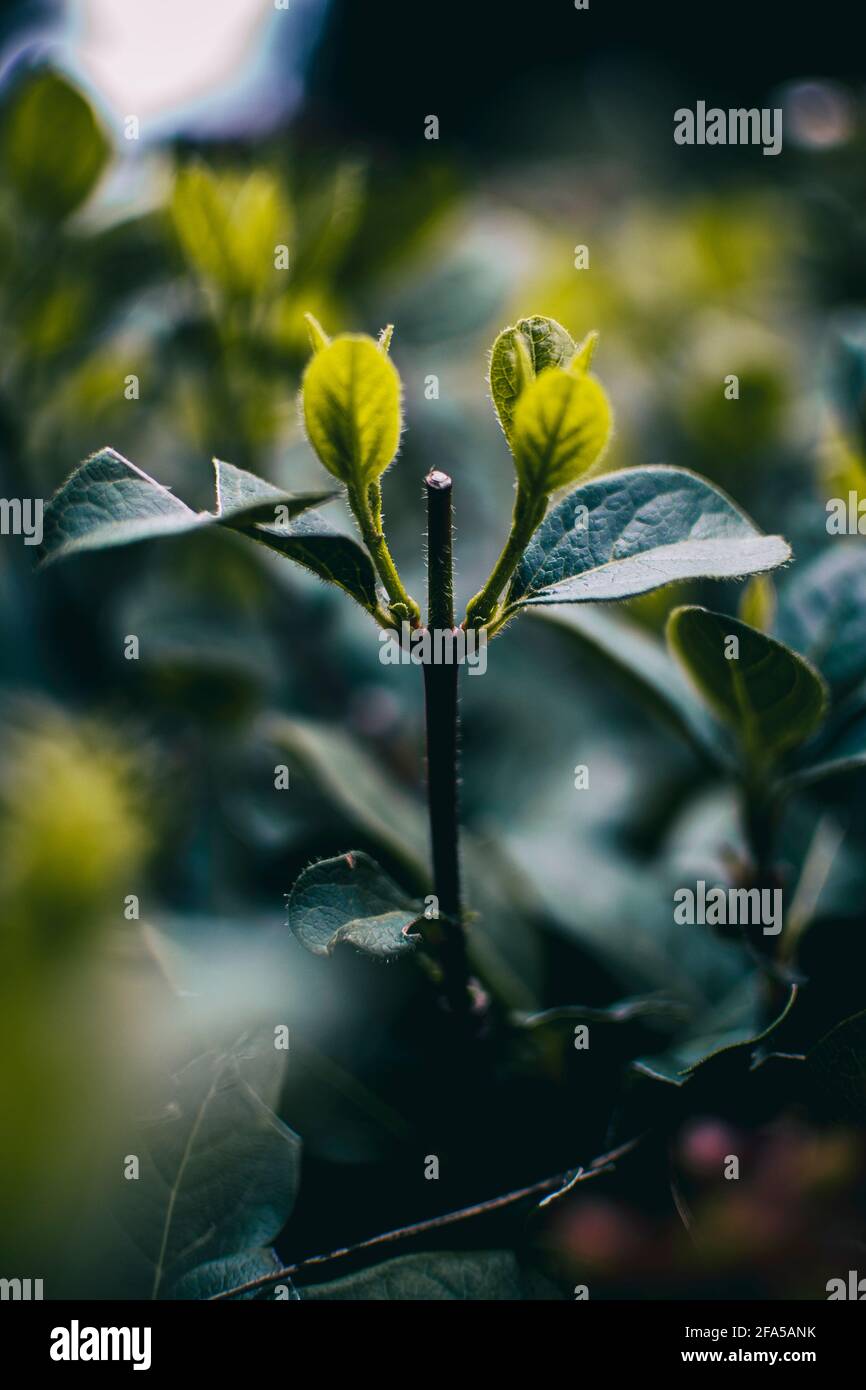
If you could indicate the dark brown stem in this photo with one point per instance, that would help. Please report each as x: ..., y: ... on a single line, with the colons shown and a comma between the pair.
x: 443, y: 752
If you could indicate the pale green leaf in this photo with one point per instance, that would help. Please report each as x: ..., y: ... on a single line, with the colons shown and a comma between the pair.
x: 351, y: 404
x: 318, y: 337
x: 519, y: 354
x: 562, y: 423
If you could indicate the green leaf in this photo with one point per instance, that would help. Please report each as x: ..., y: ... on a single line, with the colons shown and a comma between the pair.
x: 634, y: 531
x: 372, y: 801
x: 562, y: 423
x: 469, y: 1276
x: 503, y: 947
x: 772, y: 697
x: 519, y: 354
x: 351, y: 404
x: 108, y: 501
x: 243, y: 497
x: 221, y: 1276
x: 228, y: 225
x: 54, y: 151
x: 219, y: 1171
x: 822, y: 613
x: 350, y: 899
x: 731, y: 1051
x: 650, y: 673
x: 311, y: 541
x: 840, y: 752
x: 318, y: 337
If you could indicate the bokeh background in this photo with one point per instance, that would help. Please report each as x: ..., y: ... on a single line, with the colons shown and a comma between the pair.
x: 153, y: 256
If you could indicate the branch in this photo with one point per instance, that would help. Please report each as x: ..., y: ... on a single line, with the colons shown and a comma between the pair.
x: 563, y: 1181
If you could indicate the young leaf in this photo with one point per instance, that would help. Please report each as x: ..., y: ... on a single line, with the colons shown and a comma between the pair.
x: 562, y: 423
x: 582, y: 359
x: 318, y: 337
x: 772, y: 697
x: 518, y: 355
x: 108, y: 501
x: 350, y: 899
x: 219, y: 1170
x: 351, y: 404
x: 634, y: 531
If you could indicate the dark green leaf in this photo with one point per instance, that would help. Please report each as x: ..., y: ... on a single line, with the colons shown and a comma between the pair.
x: 651, y: 673
x: 471, y: 1276
x: 313, y: 542
x: 735, y: 1049
x: 772, y: 697
x: 822, y: 614
x: 220, y: 1276
x: 350, y: 899
x: 642, y: 528
x: 502, y: 944
x: 243, y: 497
x: 219, y: 1171
x: 109, y: 501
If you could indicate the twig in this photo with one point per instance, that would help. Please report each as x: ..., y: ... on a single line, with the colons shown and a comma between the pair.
x: 437, y: 1223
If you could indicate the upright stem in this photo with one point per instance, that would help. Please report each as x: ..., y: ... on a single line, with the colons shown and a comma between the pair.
x: 528, y: 515
x: 442, y: 719
x: 366, y: 504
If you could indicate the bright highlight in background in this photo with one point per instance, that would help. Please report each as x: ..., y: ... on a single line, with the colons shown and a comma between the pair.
x: 209, y: 66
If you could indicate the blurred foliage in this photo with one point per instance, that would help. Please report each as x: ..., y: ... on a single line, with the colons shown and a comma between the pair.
x: 155, y: 776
